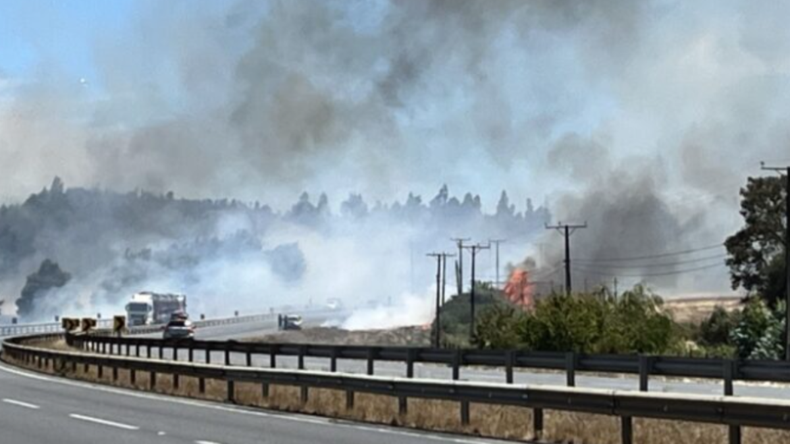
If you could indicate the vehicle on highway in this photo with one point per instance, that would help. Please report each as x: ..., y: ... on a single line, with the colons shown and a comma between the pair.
x: 334, y: 304
x: 179, y: 329
x: 289, y: 322
x: 179, y: 316
x: 148, y: 308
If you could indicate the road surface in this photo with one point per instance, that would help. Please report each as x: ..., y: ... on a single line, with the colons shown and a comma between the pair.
x: 432, y: 371
x: 36, y: 409
x: 257, y: 328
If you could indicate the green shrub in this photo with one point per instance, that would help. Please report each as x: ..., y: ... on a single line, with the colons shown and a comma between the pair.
x: 587, y: 323
x: 758, y: 334
x: 717, y: 329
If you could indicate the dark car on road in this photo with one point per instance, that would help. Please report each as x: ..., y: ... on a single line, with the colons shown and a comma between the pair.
x: 179, y: 329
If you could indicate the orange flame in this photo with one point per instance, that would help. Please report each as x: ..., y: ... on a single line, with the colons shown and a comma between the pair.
x: 519, y: 289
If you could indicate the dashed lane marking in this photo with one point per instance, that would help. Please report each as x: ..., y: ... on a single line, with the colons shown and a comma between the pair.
x: 21, y: 404
x: 104, y: 422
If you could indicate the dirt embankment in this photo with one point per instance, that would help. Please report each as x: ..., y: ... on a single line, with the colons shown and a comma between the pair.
x: 697, y: 310
x: 403, y: 336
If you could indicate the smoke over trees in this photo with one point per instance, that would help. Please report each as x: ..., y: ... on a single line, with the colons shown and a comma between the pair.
x: 114, y: 244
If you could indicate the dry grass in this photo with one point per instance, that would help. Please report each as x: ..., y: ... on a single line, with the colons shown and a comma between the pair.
x: 485, y: 420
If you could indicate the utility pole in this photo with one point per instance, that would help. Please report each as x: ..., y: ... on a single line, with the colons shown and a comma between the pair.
x: 436, y: 325
x: 496, y: 242
x: 567, y: 230
x: 474, y: 249
x: 444, y: 274
x: 441, y: 281
x: 786, y: 171
x: 459, y: 241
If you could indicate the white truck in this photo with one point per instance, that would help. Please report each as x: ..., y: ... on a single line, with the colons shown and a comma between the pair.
x: 147, y: 308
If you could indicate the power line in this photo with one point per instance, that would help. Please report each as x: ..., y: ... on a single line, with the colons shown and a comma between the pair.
x: 542, y: 274
x: 651, y: 256
x: 496, y: 242
x: 567, y: 230
x: 473, y: 250
x: 659, y: 265
x: 459, y: 266
x: 668, y: 273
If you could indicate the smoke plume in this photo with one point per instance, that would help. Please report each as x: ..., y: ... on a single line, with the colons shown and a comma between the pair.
x: 642, y: 118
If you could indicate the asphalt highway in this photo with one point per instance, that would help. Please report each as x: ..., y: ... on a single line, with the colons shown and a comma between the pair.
x: 257, y: 328
x: 432, y: 371
x: 38, y: 409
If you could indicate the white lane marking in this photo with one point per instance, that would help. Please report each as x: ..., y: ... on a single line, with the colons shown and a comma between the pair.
x: 104, y: 422
x: 206, y: 442
x: 275, y: 416
x: 21, y: 404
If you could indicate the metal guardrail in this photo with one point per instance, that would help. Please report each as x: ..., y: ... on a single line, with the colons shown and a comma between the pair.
x: 44, y: 327
x: 727, y: 370
x: 734, y: 412
x: 54, y: 327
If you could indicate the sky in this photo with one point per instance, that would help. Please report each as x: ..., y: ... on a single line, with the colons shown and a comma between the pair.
x: 60, y: 49
x: 60, y: 33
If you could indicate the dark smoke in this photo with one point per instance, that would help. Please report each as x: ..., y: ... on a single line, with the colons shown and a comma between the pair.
x: 642, y: 118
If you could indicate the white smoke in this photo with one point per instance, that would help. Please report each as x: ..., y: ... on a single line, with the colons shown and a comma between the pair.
x: 405, y: 310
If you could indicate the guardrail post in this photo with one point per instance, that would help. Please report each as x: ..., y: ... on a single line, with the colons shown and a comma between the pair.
x: 457, y: 361
x: 114, y: 373
x: 176, y: 381
x: 371, y: 362
x: 127, y: 349
x: 86, y: 368
x: 152, y: 380
x: 304, y: 394
x: 191, y: 353
x: 735, y: 434
x: 570, y: 369
x: 202, y: 385
x: 645, y: 366
x: 137, y: 350
x: 161, y: 352
x: 148, y: 353
x: 300, y: 357
x: 465, y: 413
x: 265, y: 390
x: 273, y: 356
x: 104, y: 348
x: 231, y: 391
x: 626, y: 430
x: 510, y: 360
x: 208, y: 355
x: 74, y: 366
x: 227, y: 354
x: 132, y: 377
x: 537, y: 424
x: 403, y: 405
x: 729, y: 375
x: 411, y: 356
x: 249, y: 359
x: 333, y: 359
x: 100, y: 371
x: 349, y: 399
x: 175, y: 352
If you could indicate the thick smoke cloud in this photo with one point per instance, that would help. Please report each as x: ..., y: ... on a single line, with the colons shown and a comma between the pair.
x: 642, y: 118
